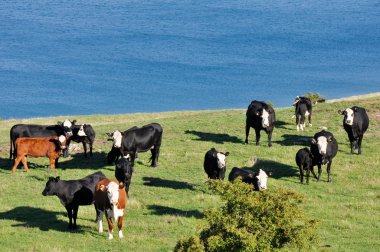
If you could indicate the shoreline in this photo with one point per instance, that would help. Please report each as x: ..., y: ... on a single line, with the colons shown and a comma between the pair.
x: 354, y: 97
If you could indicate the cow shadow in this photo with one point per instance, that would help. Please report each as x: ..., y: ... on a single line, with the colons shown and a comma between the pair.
x: 164, y: 210
x: 274, y: 169
x: 291, y: 140
x: 282, y: 124
x: 158, y: 182
x: 36, y: 218
x: 214, y: 137
x: 96, y: 162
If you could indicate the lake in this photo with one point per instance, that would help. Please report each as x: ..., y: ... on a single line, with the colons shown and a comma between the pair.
x: 112, y: 57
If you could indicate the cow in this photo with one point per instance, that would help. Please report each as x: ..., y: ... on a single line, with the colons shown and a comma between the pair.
x: 303, y: 109
x: 73, y: 193
x: 110, y: 198
x: 258, y: 179
x: 215, y: 164
x: 135, y: 140
x: 83, y: 133
x: 123, y: 172
x: 324, y: 148
x: 355, y: 122
x: 305, y: 162
x: 50, y: 147
x: 115, y: 153
x: 32, y: 130
x: 260, y: 116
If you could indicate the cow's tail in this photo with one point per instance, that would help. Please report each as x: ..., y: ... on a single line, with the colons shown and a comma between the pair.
x: 11, y: 151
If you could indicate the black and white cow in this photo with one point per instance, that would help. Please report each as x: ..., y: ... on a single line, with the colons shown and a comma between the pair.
x: 355, y: 122
x: 33, y: 130
x: 258, y: 180
x: 305, y: 162
x: 303, y: 109
x: 85, y: 134
x: 115, y: 153
x: 215, y: 164
x: 260, y: 116
x: 135, y: 140
x: 73, y: 193
x: 123, y: 173
x: 324, y: 148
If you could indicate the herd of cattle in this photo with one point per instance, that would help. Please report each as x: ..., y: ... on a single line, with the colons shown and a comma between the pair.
x: 110, y: 195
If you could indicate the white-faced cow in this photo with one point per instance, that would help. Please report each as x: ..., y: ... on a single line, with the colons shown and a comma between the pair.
x: 215, y: 164
x: 136, y: 140
x: 305, y: 162
x: 73, y: 193
x: 85, y: 134
x: 260, y: 116
x: 32, y: 130
x: 258, y: 179
x: 123, y: 172
x: 324, y: 148
x: 303, y: 110
x: 110, y: 198
x: 355, y: 122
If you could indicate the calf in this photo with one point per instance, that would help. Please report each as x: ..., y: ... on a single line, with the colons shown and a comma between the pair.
x: 324, y: 148
x: 355, y: 122
x: 258, y: 180
x: 123, y: 172
x: 136, y: 140
x: 305, y: 161
x: 73, y: 193
x: 303, y: 109
x: 84, y: 134
x: 50, y: 147
x: 215, y: 164
x: 260, y: 116
x: 110, y: 198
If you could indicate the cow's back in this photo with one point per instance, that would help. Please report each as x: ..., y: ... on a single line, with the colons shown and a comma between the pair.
x: 33, y: 130
x: 37, y: 147
x: 142, y: 138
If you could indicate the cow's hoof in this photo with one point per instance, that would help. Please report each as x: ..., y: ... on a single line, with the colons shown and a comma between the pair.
x: 270, y: 144
x: 257, y: 144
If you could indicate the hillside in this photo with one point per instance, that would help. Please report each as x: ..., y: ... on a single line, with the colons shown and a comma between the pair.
x: 167, y: 202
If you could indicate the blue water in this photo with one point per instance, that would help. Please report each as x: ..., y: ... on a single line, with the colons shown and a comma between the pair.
x: 109, y: 57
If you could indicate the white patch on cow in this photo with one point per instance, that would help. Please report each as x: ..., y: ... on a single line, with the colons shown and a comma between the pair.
x: 117, y: 136
x: 310, y: 124
x: 81, y: 131
x: 322, y: 145
x: 265, y: 119
x: 349, y: 118
x: 298, y: 127
x: 62, y: 138
x: 307, y: 113
x: 100, y: 225
x: 127, y: 156
x: 303, y: 126
x: 262, y: 179
x: 113, y: 197
x: 121, y: 234
x: 221, y: 159
x: 110, y: 236
x: 67, y: 124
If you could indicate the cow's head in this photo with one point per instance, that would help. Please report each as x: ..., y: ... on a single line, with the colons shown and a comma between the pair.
x: 123, y: 171
x: 264, y: 115
x: 67, y: 127
x: 116, y: 137
x: 50, y: 188
x: 221, y: 161
x: 296, y: 100
x: 60, y: 142
x: 112, y: 189
x: 348, y: 115
x: 81, y: 131
x: 261, y: 180
x: 322, y: 143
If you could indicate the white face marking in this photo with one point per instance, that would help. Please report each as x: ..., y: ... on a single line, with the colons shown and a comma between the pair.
x: 113, y: 192
x: 322, y: 144
x: 265, y: 119
x: 117, y: 136
x: 221, y: 159
x: 67, y: 124
x: 81, y: 131
x: 62, y: 138
x: 349, y: 118
x: 262, y: 179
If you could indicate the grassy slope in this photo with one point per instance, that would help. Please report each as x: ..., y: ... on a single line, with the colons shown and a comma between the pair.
x: 167, y: 203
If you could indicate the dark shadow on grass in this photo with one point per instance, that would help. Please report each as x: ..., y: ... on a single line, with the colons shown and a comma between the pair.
x: 214, y: 137
x: 36, y: 218
x: 291, y: 140
x: 274, y: 169
x: 281, y: 124
x: 158, y: 182
x: 96, y: 162
x: 163, y: 210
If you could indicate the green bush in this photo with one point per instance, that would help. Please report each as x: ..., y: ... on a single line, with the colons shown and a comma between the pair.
x: 315, y: 97
x: 253, y: 221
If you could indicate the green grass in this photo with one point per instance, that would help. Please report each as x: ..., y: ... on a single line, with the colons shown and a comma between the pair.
x: 166, y: 203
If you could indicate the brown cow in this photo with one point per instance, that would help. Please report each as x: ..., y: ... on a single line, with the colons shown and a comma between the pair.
x: 50, y: 147
x: 110, y: 198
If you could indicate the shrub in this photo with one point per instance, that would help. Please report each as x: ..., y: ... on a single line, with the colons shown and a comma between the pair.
x: 315, y: 97
x: 253, y: 221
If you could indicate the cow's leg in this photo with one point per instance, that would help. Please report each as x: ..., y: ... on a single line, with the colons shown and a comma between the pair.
x: 360, y: 144
x: 24, y: 163
x: 75, y: 215
x: 353, y: 144
x: 247, y: 128
x: 319, y: 171
x: 110, y: 228
x: 297, y: 122
x: 301, y: 173
x: 302, y: 122
x: 307, y: 175
x: 257, y: 131
x: 84, y: 148
x: 312, y: 171
x: 56, y: 162
x: 120, y: 226
x: 70, y: 215
x: 17, y: 161
x: 91, y: 143
x: 329, y: 179
x: 270, y: 138
x: 52, y: 163
x: 309, y: 116
x: 155, y: 152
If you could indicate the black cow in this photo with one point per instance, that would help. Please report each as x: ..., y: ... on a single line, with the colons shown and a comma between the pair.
x: 324, y: 148
x: 136, y: 140
x: 303, y: 109
x: 260, y: 116
x: 258, y: 180
x: 73, y: 193
x: 215, y: 164
x: 305, y: 161
x: 355, y: 122
x: 32, y: 130
x: 123, y: 173
x: 115, y: 152
x: 84, y: 134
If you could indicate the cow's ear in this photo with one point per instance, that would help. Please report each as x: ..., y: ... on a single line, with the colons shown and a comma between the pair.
x: 341, y: 112
x: 227, y: 153
x: 121, y: 185
x: 101, y: 187
x: 313, y: 141
x: 355, y: 109
x: 329, y: 139
x: 57, y: 178
x: 59, y: 123
x: 109, y: 134
x: 257, y: 113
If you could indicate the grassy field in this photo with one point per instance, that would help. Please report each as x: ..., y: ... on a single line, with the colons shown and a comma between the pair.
x: 167, y: 202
